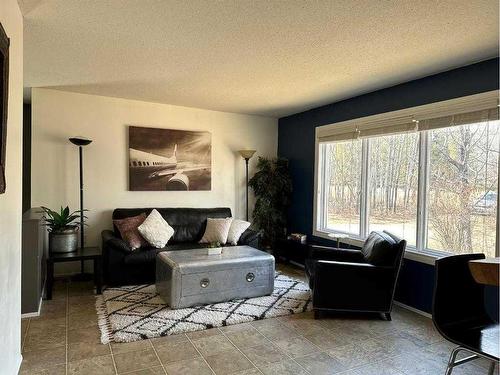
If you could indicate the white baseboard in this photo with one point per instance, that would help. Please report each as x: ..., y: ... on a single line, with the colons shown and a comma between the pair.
x: 17, y: 366
x: 36, y: 313
x: 412, y: 309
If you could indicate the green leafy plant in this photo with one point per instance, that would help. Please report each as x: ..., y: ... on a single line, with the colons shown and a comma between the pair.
x: 272, y: 186
x: 213, y: 245
x: 61, y: 221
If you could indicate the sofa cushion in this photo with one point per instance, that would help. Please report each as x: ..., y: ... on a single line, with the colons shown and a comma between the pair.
x: 188, y: 223
x: 379, y: 249
x: 149, y: 254
x: 142, y: 256
x: 156, y: 230
x: 238, y: 227
x: 128, y: 228
x: 216, y: 230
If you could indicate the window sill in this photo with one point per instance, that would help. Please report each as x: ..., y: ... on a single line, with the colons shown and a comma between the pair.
x: 411, y: 253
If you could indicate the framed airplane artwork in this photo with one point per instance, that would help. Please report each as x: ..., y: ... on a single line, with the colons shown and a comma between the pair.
x: 169, y: 159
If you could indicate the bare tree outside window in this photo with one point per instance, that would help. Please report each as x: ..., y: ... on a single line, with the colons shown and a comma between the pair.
x: 463, y: 188
x: 344, y: 171
x: 393, y: 185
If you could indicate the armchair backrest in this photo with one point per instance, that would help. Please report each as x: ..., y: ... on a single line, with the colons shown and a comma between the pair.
x: 383, y: 249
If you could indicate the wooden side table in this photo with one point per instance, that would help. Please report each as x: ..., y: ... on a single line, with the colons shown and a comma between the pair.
x: 87, y: 253
x: 291, y: 250
x: 485, y: 271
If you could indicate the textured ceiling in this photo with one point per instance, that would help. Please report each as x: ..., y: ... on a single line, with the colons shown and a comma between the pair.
x: 259, y: 57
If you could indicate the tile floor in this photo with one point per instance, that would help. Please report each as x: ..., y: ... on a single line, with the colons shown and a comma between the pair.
x: 65, y: 340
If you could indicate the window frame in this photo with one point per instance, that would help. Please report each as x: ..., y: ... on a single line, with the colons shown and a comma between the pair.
x: 322, y: 219
x: 419, y: 252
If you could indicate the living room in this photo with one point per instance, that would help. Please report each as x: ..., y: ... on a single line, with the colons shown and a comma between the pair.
x: 251, y: 187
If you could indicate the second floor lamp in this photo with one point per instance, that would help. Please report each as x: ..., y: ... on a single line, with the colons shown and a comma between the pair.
x: 246, y: 154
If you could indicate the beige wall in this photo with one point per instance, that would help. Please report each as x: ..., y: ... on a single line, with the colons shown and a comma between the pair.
x: 10, y: 202
x: 58, y: 115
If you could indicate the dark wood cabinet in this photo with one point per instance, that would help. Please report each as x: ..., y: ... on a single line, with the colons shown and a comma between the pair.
x: 34, y: 253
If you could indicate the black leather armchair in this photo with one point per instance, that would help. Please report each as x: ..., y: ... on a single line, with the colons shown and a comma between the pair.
x: 356, y: 280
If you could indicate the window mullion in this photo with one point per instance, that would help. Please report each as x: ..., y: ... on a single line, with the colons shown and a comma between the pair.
x: 326, y: 186
x: 423, y: 183
x: 323, y: 186
x: 364, y: 204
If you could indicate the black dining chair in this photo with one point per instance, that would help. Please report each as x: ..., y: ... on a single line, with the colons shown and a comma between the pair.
x: 459, y: 312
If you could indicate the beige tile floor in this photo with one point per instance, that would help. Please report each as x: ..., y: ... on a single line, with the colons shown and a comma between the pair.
x: 65, y: 340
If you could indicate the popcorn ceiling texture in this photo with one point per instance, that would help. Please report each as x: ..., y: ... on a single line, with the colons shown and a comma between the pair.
x: 270, y: 58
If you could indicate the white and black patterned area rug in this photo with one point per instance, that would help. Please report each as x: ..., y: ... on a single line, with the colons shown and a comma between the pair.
x: 132, y: 313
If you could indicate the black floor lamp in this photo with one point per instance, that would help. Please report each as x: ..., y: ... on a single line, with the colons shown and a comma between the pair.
x: 80, y: 142
x: 246, y: 154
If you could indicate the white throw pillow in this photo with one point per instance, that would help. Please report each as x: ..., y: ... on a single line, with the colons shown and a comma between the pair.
x: 236, y: 230
x: 217, y: 230
x: 156, y: 230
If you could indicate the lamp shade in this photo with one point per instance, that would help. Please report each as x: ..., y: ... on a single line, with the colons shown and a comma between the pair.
x: 246, y: 154
x: 80, y: 141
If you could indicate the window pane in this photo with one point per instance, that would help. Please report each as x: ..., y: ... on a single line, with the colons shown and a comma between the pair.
x: 343, y: 172
x: 463, y: 186
x: 393, y: 188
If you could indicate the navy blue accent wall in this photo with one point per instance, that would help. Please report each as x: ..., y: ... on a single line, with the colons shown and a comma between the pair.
x: 296, y: 143
x: 416, y: 285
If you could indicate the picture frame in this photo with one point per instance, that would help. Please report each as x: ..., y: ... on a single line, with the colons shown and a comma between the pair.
x: 4, y: 97
x: 169, y: 159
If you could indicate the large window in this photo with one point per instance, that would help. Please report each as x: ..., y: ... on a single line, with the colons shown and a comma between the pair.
x: 433, y: 182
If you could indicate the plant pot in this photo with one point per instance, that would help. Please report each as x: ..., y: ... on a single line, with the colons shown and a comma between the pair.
x: 214, y: 250
x: 65, y: 241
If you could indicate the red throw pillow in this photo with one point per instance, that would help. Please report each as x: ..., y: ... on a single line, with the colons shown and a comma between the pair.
x: 129, y: 232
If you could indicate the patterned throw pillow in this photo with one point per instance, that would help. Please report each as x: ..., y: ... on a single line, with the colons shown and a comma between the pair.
x: 129, y: 232
x: 156, y: 230
x: 217, y: 230
x: 236, y: 230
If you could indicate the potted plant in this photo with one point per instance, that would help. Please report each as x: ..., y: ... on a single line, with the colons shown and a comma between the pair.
x: 63, y: 229
x: 214, y: 248
x: 272, y: 186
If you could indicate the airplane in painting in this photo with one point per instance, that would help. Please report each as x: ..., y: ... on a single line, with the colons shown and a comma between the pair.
x: 155, y: 166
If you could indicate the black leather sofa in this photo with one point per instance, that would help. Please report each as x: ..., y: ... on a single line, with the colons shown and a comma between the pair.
x: 122, y: 266
x: 356, y: 280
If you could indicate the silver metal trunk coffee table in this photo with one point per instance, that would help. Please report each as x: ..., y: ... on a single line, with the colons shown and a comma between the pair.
x: 192, y: 277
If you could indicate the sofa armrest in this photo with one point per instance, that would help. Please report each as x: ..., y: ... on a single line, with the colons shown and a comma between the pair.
x: 251, y: 238
x: 335, y: 254
x: 110, y: 240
